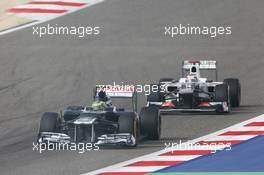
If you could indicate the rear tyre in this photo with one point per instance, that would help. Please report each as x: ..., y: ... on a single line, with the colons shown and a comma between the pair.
x: 49, y: 122
x: 150, y: 122
x: 162, y: 82
x: 128, y: 123
x: 234, y: 91
x: 154, y: 95
x: 221, y: 95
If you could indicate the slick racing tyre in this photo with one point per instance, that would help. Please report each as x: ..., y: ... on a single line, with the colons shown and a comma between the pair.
x: 128, y: 123
x: 154, y: 96
x: 150, y: 122
x: 162, y: 82
x: 49, y: 122
x: 234, y: 91
x: 221, y: 95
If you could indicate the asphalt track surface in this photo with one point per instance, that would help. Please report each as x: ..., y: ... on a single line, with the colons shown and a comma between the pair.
x: 46, y: 74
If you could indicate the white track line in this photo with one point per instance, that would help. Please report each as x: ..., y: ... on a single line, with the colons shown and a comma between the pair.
x: 139, y: 169
x: 174, y: 158
x: 229, y: 138
x: 249, y: 128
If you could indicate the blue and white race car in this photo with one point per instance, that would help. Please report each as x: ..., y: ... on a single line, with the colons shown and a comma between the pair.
x: 109, y: 126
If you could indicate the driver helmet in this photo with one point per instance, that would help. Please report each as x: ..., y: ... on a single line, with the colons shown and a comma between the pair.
x: 102, y: 96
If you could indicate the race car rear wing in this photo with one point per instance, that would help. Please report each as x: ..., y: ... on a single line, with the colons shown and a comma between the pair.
x: 203, y: 65
x: 116, y: 90
x: 119, y: 91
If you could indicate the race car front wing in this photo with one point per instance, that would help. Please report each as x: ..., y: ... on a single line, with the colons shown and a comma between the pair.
x: 125, y: 139
x: 167, y: 107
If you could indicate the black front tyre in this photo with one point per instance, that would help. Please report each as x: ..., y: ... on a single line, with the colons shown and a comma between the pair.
x: 128, y: 123
x: 234, y: 91
x: 150, y: 122
x: 162, y: 82
x: 49, y: 122
x: 221, y: 95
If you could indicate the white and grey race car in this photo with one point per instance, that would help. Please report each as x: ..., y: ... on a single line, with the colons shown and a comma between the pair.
x: 193, y: 93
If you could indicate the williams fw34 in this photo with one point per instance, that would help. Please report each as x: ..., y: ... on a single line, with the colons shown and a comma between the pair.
x: 118, y: 124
